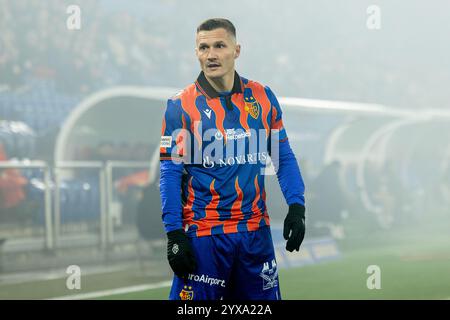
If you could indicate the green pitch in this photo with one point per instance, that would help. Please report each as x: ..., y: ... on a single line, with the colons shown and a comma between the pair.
x: 346, y: 279
x: 414, y: 264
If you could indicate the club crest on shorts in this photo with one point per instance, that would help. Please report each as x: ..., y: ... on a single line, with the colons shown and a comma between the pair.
x: 252, y: 106
x: 269, y: 274
x: 187, y: 294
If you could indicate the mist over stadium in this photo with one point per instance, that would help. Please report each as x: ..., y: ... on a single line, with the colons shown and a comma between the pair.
x: 367, y: 113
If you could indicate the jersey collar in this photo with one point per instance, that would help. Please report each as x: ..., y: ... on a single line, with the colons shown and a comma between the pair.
x: 209, y: 92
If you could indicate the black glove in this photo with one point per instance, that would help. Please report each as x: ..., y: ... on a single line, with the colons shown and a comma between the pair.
x: 295, y: 222
x: 179, y: 253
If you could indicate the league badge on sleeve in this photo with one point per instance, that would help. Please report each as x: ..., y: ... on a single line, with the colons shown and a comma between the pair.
x: 166, y: 142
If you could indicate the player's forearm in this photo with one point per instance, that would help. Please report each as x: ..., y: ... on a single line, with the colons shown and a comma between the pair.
x: 289, y: 175
x: 170, y: 191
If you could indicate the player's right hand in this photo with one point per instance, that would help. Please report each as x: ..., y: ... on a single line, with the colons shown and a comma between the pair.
x: 180, y: 254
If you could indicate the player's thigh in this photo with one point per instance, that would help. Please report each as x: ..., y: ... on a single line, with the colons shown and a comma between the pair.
x: 214, y: 256
x: 255, y: 276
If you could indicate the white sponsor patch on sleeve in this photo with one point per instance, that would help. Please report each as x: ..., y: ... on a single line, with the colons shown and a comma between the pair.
x: 166, y: 141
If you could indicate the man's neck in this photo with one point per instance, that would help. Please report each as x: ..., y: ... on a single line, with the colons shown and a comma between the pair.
x: 222, y: 84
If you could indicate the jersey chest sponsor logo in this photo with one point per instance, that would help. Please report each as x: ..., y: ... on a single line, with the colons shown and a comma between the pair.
x: 233, y: 134
x: 249, y: 158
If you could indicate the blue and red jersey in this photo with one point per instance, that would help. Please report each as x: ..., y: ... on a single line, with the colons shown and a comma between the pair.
x: 219, y: 143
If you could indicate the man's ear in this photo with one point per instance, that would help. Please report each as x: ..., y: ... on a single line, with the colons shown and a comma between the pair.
x: 237, y: 51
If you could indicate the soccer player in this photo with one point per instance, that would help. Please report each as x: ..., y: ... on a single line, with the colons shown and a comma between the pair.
x: 217, y: 136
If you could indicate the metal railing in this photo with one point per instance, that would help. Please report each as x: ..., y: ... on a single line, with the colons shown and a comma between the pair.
x: 70, y: 165
x: 49, y: 232
x: 52, y: 216
x: 109, y: 167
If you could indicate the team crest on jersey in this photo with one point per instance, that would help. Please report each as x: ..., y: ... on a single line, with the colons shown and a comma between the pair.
x: 252, y: 106
x: 187, y: 294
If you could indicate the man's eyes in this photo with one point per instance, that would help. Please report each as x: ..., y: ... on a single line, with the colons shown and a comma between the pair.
x: 219, y: 45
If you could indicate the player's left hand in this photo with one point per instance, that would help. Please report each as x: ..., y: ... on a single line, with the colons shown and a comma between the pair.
x: 294, y: 227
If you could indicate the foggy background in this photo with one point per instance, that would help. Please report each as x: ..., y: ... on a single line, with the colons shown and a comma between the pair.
x: 390, y: 194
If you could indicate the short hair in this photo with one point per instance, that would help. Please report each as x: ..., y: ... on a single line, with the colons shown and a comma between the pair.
x: 216, y: 23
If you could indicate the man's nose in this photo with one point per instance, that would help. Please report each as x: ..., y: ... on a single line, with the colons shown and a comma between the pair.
x: 212, y: 55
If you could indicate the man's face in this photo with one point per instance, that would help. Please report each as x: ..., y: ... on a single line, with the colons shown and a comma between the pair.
x: 216, y: 50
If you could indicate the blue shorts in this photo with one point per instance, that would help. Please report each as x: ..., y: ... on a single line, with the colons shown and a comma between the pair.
x: 238, y: 266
